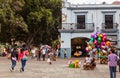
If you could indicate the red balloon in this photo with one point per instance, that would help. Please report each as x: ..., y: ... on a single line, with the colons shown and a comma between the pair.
x: 104, y: 38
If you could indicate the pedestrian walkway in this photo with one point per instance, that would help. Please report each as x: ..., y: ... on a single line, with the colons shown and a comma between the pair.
x: 58, y: 69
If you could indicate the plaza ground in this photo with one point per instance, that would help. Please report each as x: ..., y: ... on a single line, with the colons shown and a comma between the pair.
x: 58, y: 69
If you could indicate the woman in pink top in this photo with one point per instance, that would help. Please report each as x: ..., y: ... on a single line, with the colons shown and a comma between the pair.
x: 112, y: 59
x: 23, y: 57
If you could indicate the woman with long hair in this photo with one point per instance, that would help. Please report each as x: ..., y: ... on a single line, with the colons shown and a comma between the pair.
x: 23, y: 57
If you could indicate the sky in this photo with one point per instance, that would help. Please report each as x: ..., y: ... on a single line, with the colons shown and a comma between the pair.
x: 91, y: 1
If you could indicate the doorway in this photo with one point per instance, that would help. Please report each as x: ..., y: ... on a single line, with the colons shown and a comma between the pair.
x: 78, y: 46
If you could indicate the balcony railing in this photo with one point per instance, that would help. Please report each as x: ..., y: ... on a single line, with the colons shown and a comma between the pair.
x: 109, y: 27
x: 76, y: 27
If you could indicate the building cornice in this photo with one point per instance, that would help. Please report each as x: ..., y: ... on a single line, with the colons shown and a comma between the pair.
x: 93, y: 7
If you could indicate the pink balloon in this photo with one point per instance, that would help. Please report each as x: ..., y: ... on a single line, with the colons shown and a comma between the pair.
x: 87, y: 49
x: 92, y: 35
x: 103, y: 43
x: 95, y: 41
x: 104, y: 34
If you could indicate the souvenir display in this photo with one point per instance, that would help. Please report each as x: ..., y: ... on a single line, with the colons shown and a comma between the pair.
x: 99, y: 46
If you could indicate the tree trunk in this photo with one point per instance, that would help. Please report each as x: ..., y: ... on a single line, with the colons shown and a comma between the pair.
x: 31, y: 38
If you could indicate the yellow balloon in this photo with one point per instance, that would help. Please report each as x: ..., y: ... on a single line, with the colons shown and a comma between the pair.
x: 89, y: 48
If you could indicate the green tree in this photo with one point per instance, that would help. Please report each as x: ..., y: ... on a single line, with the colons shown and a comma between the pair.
x: 31, y: 21
x: 42, y: 18
x: 11, y: 22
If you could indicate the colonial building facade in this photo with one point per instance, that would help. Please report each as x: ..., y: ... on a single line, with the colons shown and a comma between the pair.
x: 81, y: 20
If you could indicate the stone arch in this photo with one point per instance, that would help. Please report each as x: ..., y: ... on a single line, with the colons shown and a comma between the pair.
x: 78, y: 44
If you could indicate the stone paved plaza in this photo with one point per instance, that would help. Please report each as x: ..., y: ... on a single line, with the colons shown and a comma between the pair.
x: 58, y: 69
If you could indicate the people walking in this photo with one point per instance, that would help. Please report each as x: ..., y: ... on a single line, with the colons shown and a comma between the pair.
x: 49, y: 60
x: 38, y: 55
x: 112, y: 59
x: 65, y: 53
x: 33, y: 53
x: 43, y: 54
x: 57, y: 53
x: 14, y: 58
x: 23, y: 57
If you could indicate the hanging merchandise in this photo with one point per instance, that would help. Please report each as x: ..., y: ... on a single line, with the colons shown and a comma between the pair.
x: 99, y: 45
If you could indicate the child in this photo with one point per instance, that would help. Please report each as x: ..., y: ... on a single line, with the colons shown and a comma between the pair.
x: 49, y: 60
x: 65, y: 53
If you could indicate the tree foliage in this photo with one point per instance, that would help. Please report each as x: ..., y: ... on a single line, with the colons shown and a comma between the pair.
x: 11, y: 22
x: 32, y: 21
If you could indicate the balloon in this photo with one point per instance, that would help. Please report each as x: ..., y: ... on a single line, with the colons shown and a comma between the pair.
x: 104, y: 38
x: 98, y: 49
x: 103, y: 47
x: 99, y: 40
x: 95, y: 36
x: 104, y: 34
x: 91, y: 39
x: 108, y: 43
x: 94, y: 49
x: 103, y: 43
x: 100, y: 35
x: 97, y: 33
x: 96, y: 44
x: 95, y: 41
x: 104, y: 51
x: 92, y: 45
x: 87, y: 49
x: 92, y: 35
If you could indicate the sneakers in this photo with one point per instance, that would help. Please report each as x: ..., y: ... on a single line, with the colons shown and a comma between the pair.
x: 11, y: 69
x: 50, y: 63
x: 21, y: 70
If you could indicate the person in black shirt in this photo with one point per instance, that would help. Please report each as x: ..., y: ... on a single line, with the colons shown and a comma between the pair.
x: 39, y: 55
x: 14, y: 58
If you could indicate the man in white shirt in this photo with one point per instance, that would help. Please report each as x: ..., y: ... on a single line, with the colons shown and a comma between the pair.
x: 43, y: 54
x: 33, y: 53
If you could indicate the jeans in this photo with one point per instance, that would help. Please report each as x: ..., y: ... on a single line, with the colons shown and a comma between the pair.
x: 65, y: 56
x: 112, y: 71
x: 13, y: 64
x: 43, y: 57
x: 23, y: 63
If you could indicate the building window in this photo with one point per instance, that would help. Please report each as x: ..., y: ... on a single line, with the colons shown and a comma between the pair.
x: 109, y: 21
x: 80, y: 21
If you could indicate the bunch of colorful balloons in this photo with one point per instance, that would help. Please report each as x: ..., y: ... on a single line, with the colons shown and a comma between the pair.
x: 98, y: 41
